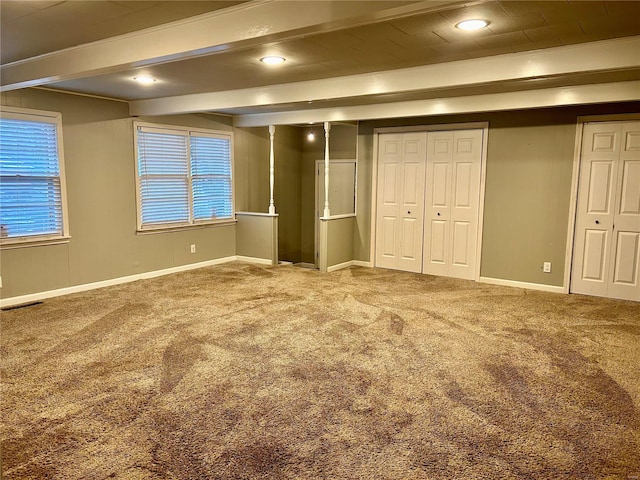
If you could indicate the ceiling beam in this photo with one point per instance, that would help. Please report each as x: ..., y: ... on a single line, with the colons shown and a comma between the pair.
x: 607, y: 55
x: 548, y: 97
x: 247, y: 25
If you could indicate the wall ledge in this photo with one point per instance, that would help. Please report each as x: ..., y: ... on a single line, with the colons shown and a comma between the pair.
x: 257, y: 214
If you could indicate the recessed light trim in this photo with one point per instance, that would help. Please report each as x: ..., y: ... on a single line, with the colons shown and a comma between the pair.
x: 272, y: 60
x: 472, y: 24
x: 144, y: 79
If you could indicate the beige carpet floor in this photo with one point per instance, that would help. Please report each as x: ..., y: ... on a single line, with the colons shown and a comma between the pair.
x: 241, y: 371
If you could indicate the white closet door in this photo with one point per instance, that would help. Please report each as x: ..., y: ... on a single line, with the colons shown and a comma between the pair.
x: 594, y: 219
x: 440, y: 146
x: 452, y: 202
x: 607, y: 238
x: 400, y: 205
x: 412, y: 206
x: 389, y: 194
x: 465, y: 193
x: 625, y: 240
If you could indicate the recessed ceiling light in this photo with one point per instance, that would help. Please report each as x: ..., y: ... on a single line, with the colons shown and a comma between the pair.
x: 144, y: 79
x: 474, y: 24
x: 272, y: 60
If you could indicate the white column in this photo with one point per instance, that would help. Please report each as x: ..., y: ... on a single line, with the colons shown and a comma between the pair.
x: 327, y: 127
x: 272, y: 207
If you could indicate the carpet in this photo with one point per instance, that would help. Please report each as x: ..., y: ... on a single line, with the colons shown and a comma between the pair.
x: 242, y: 371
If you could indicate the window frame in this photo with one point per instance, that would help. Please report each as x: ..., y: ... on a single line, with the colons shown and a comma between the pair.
x: 188, y: 132
x: 55, y: 118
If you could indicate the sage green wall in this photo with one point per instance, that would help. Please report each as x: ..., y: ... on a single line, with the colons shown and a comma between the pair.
x: 364, y: 174
x: 100, y: 177
x: 287, y: 192
x: 256, y: 236
x: 253, y: 194
x: 252, y: 164
x: 527, y: 190
x: 527, y: 196
x: 342, y: 145
x: 530, y: 156
x: 340, y: 240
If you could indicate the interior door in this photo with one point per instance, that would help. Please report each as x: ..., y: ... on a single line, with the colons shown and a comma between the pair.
x: 625, y: 251
x: 454, y: 160
x: 607, y: 239
x: 438, y: 199
x: 400, y: 205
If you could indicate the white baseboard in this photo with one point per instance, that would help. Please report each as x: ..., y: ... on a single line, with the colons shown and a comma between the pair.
x: 261, y: 261
x: 339, y: 266
x: 530, y: 286
x: 361, y: 263
x: 34, y: 297
x: 350, y: 263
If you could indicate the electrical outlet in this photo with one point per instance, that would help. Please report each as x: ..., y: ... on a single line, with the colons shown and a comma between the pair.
x: 193, y: 248
x: 546, y: 267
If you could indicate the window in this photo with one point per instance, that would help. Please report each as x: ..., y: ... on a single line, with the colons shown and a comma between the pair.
x: 184, y: 176
x: 32, y: 190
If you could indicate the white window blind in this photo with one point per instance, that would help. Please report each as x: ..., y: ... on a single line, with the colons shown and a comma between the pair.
x: 211, y: 177
x: 184, y: 177
x: 31, y: 186
x: 164, y: 181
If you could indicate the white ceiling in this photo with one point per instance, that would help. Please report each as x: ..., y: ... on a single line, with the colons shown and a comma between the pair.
x: 340, y: 54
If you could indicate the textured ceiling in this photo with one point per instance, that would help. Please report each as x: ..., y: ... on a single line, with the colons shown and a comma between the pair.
x: 418, y: 40
x: 32, y: 28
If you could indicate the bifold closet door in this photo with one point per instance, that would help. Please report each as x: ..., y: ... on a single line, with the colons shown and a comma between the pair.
x: 400, y: 204
x: 606, y: 259
x: 452, y: 201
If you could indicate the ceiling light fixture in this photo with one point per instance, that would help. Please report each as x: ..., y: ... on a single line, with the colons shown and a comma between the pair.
x: 272, y: 60
x: 311, y: 136
x: 144, y: 79
x: 473, y: 24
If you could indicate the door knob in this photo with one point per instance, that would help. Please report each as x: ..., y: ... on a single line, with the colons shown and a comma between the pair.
x: 408, y: 213
x: 438, y: 213
x: 597, y: 222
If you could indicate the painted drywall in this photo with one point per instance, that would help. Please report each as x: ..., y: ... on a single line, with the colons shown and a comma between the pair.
x: 528, y: 187
x: 256, y: 236
x: 340, y: 240
x: 251, y: 163
x: 253, y: 195
x: 287, y: 192
x: 364, y: 181
x: 342, y: 145
x: 527, y: 196
x: 100, y: 178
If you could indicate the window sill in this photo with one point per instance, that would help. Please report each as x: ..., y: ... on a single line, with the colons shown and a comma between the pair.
x: 168, y: 229
x: 23, y: 242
